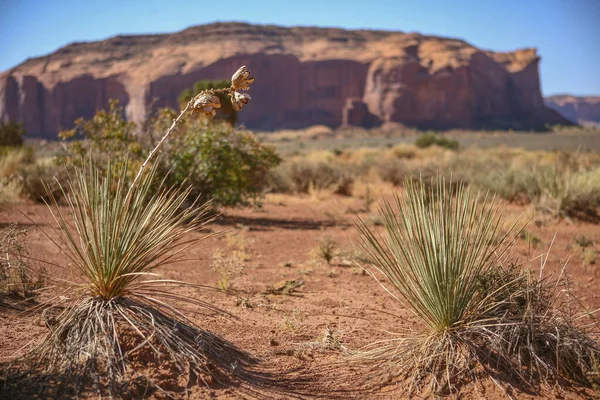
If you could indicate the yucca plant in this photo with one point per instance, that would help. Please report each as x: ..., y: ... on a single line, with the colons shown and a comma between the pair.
x: 436, y: 246
x: 443, y: 254
x: 116, y: 236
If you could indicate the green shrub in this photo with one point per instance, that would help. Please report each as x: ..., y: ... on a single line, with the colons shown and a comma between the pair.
x: 11, y: 134
x: 221, y: 163
x: 429, y: 139
x: 106, y: 136
x: 437, y: 241
x: 426, y: 140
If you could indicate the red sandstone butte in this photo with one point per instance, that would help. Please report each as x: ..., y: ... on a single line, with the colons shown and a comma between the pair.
x: 304, y: 76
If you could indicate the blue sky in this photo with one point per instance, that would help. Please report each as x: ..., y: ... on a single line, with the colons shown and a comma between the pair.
x: 566, y: 32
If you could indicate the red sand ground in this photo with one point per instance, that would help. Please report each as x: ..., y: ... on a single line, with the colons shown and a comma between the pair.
x: 340, y: 297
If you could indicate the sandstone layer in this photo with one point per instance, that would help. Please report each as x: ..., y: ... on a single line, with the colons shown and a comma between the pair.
x: 304, y: 76
x: 584, y: 110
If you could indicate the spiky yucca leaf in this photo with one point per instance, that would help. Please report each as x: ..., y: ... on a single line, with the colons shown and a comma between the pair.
x: 119, y: 235
x: 436, y: 245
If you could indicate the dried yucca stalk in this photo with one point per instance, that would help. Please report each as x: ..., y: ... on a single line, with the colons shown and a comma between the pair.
x: 206, y: 102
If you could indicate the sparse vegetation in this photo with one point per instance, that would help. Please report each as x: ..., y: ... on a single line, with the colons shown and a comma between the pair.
x: 583, y: 241
x: 326, y: 250
x: 18, y: 280
x: 227, y: 268
x: 11, y: 160
x: 562, y: 184
x: 589, y: 256
x: 294, y: 321
x: 126, y: 216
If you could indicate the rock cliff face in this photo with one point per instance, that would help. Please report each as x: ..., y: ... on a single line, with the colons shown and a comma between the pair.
x: 305, y: 76
x: 583, y: 110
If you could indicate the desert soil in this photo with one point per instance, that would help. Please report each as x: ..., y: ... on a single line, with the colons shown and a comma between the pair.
x: 281, y: 330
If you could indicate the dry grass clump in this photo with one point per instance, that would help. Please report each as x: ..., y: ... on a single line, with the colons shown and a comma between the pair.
x: 302, y: 176
x: 325, y: 250
x: 442, y: 252
x: 228, y: 268
x: 393, y: 170
x: 18, y: 281
x: 9, y: 192
x: 39, y: 177
x: 22, y: 175
x: 565, y: 191
x: 11, y: 160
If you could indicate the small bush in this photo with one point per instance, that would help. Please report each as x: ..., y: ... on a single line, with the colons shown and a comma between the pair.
x: 568, y: 192
x: 221, y: 163
x: 39, y: 178
x: 325, y: 250
x: 582, y: 241
x: 10, y: 191
x: 405, y: 151
x: 302, y: 176
x: 393, y: 170
x: 11, y: 161
x: 430, y: 139
x: 17, y: 279
x: 589, y: 256
x: 345, y: 185
x: 106, y: 136
x: 227, y: 268
x: 11, y: 134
